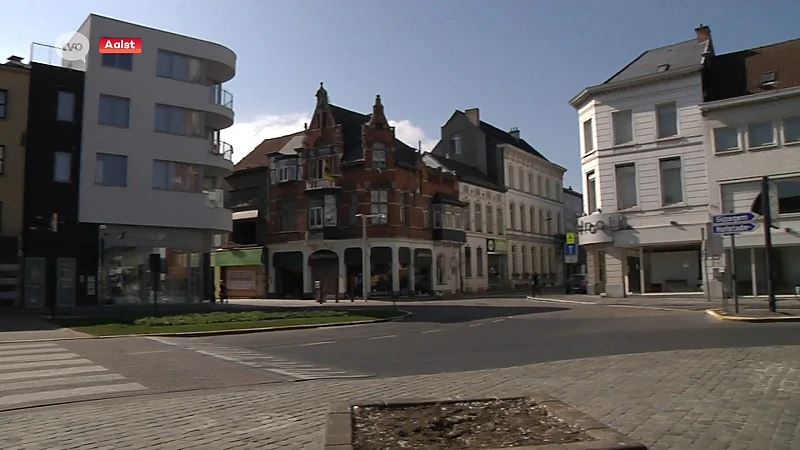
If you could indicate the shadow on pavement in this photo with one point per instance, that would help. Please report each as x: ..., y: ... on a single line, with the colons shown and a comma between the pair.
x: 462, y: 313
x: 26, y: 323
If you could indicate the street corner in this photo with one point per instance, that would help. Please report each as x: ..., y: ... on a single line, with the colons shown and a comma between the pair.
x: 761, y: 318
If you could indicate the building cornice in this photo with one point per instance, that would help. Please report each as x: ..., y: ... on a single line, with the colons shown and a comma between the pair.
x: 750, y: 99
x: 589, y: 92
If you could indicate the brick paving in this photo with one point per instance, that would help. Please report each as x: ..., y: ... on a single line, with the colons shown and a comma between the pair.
x: 706, y: 399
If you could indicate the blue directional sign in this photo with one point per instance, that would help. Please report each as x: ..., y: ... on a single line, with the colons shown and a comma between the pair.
x: 570, y: 253
x: 735, y: 228
x: 733, y: 218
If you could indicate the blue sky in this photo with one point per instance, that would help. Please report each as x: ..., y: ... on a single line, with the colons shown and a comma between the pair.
x: 519, y: 61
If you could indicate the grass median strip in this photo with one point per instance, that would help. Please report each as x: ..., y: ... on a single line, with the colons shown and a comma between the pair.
x: 215, y: 321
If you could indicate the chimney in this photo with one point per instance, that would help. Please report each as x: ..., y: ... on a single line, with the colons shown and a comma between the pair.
x: 15, y: 60
x: 703, y: 33
x: 474, y: 116
x: 514, y: 132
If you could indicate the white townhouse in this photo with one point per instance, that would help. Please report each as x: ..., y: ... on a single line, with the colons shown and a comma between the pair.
x: 644, y: 173
x: 752, y: 125
x: 152, y: 162
x: 534, y: 212
x: 484, y: 263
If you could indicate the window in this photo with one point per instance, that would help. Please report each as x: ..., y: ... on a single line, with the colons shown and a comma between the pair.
x: 623, y: 127
x: 511, y: 222
x: 662, y: 68
x: 522, y: 218
x: 3, y: 104
x: 521, y: 179
x: 524, y: 258
x: 65, y: 112
x: 671, y: 184
x: 514, y: 259
x: 591, y: 193
x: 626, y: 185
x: 467, y: 262
x: 726, y: 139
x: 176, y: 176
x: 510, y: 176
x: 353, y: 208
x: 791, y: 130
x: 111, y: 170
x: 499, y: 220
x: 559, y: 191
x: 402, y: 208
x: 468, y: 217
x: 330, y: 210
x: 768, y: 77
x: 760, y: 134
x: 588, y: 136
x: 114, y: 111
x: 541, y: 221
x: 559, y: 227
x: 455, y: 144
x: 123, y: 61
x: 539, y: 190
x: 180, y: 67
x: 666, y: 120
x: 379, y: 159
x: 479, y: 261
x: 2, y: 158
x: 426, y: 218
x: 62, y: 167
x: 286, y: 215
x: 315, y: 207
x: 379, y: 204
x: 489, y: 219
x: 478, y: 217
x: 549, y: 222
x: 547, y: 191
x: 533, y: 220
x: 180, y: 121
x: 283, y: 170
x: 530, y: 182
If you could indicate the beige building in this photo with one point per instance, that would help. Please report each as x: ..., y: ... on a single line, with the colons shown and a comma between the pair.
x: 14, y: 79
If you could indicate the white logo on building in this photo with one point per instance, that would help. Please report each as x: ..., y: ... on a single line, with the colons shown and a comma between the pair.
x: 72, y: 46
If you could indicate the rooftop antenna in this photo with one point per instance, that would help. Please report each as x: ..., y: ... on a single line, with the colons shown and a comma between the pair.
x: 419, y: 146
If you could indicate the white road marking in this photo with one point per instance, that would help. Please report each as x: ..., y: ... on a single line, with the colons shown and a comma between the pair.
x: 31, y: 358
x: 383, y: 337
x: 497, y: 320
x: 59, y: 381
x: 431, y: 331
x: 16, y: 399
x: 476, y: 324
x: 150, y: 352
x: 31, y: 365
x: 654, y: 308
x: 555, y: 300
x: 51, y: 372
x: 35, y: 345
x: 31, y: 351
x: 310, y: 344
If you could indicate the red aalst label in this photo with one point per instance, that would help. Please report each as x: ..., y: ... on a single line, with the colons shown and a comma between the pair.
x: 120, y: 45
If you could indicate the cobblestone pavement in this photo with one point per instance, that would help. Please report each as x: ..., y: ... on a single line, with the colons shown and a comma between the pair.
x: 707, y: 400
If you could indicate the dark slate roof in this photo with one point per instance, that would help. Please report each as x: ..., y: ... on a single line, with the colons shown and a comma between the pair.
x: 351, y: 122
x: 679, y: 56
x: 467, y: 173
x: 740, y: 73
x: 503, y: 137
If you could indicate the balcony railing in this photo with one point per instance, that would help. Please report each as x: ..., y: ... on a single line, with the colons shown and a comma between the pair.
x: 223, y: 97
x: 222, y: 148
x: 217, y: 199
x: 322, y: 183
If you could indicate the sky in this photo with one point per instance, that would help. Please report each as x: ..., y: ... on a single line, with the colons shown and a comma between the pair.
x: 519, y: 61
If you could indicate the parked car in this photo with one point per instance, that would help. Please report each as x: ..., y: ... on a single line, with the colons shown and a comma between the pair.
x: 577, y: 284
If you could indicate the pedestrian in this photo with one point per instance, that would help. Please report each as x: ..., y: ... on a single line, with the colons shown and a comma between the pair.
x: 535, y: 284
x: 223, y: 292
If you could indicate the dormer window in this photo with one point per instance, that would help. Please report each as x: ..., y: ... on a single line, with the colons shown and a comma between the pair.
x: 379, y: 159
x: 662, y: 68
x: 768, y: 77
x: 455, y: 144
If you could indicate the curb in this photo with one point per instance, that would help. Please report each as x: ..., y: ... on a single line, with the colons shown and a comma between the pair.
x: 555, y: 300
x: 403, y: 315
x: 719, y: 316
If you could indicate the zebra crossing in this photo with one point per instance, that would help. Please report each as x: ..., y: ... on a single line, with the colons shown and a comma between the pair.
x: 33, y: 373
x: 294, y: 370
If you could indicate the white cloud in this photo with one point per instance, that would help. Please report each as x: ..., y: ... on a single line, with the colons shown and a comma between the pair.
x: 245, y: 136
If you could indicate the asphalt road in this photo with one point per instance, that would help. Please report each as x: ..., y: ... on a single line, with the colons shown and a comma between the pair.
x: 494, y: 334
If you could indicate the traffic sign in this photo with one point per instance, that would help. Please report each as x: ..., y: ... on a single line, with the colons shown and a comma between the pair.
x: 734, y: 228
x: 570, y: 237
x: 570, y: 253
x: 733, y: 218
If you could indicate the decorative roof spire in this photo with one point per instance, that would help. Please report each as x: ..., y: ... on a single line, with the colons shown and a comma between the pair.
x: 322, y: 95
x: 378, y: 118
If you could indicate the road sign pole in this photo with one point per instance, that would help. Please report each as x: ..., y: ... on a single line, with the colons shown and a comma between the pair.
x: 765, y: 204
x: 734, y: 281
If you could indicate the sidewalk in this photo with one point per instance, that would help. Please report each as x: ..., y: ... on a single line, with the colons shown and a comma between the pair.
x: 31, y: 328
x: 694, y: 302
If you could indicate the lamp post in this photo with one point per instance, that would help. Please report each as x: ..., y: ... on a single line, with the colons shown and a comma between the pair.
x: 100, y: 284
x: 365, y: 269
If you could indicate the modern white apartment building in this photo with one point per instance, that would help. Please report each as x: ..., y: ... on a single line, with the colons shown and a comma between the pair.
x: 752, y: 126
x: 534, y: 212
x: 644, y: 170
x: 151, y: 159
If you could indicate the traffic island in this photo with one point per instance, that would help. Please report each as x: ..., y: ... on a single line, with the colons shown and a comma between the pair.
x: 529, y: 422
x: 754, y: 316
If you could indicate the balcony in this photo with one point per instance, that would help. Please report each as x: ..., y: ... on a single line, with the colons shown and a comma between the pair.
x: 449, y: 235
x: 222, y: 148
x: 219, y: 113
x: 323, y: 183
x: 224, y: 98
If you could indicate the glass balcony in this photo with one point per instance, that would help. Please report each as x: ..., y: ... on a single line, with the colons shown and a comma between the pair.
x: 221, y: 96
x: 222, y: 148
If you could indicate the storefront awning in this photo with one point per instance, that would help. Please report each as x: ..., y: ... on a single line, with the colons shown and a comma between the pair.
x: 250, y: 214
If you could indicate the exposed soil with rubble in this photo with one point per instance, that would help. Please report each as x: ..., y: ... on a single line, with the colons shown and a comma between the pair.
x: 463, y: 425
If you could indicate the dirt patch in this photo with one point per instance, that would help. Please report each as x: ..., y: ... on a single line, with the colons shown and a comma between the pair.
x: 462, y: 425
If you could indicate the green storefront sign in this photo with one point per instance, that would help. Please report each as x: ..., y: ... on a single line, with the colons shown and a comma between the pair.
x: 237, y: 257
x: 497, y: 246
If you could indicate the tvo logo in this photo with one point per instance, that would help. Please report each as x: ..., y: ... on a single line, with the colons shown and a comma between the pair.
x: 72, y: 46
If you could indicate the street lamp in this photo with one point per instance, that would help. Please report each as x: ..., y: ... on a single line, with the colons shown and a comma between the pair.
x: 365, y: 269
